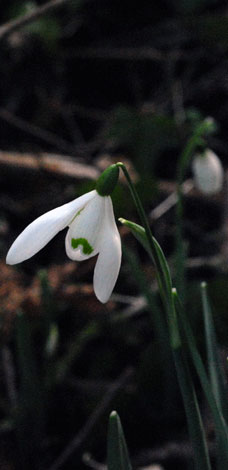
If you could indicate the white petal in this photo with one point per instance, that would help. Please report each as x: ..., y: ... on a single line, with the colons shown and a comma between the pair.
x: 86, y: 227
x: 109, y: 258
x: 43, y: 229
x: 208, y: 172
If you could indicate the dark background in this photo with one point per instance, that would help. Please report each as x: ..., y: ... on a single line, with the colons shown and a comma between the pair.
x: 102, y: 81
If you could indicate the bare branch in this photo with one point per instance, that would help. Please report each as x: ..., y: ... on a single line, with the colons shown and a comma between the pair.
x: 91, y: 463
x: 50, y: 163
x: 9, y: 28
x: 170, y: 201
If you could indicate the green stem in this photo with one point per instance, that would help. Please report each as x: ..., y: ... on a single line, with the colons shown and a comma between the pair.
x: 158, y: 257
x: 140, y: 210
x: 144, y: 221
x: 219, y: 421
x: 183, y: 163
x: 205, y: 127
x: 165, y: 286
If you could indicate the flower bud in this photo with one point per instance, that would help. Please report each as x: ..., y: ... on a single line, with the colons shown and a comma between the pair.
x: 208, y: 172
x: 107, y: 181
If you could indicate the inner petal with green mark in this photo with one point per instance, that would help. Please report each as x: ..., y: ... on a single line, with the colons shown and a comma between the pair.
x: 86, y: 247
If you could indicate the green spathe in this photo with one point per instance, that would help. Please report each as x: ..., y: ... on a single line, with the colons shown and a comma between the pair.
x: 86, y: 247
x: 107, y: 181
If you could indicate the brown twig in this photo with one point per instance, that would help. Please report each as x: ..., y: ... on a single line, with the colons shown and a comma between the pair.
x: 50, y: 163
x: 170, y: 201
x: 136, y: 305
x: 13, y: 25
x: 80, y: 438
x: 91, y: 463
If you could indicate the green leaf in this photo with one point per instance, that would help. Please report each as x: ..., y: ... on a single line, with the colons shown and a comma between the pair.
x: 194, y: 420
x: 216, y: 373
x: 117, y: 454
x: 220, y: 424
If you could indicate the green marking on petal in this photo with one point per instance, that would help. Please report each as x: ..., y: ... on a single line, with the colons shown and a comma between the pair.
x: 86, y: 247
x: 76, y: 215
x: 79, y: 212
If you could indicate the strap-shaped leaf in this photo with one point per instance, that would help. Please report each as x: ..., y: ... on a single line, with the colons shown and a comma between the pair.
x: 216, y: 373
x: 219, y: 421
x: 192, y: 410
x: 117, y: 454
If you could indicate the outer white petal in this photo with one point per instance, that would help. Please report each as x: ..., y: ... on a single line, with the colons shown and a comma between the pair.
x: 87, y: 225
x: 43, y: 229
x: 208, y: 172
x: 109, y: 258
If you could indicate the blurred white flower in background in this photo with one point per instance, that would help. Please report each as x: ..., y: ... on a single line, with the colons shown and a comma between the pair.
x: 208, y: 172
x: 92, y: 230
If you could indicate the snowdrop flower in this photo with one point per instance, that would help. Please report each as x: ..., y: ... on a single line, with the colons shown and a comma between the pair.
x: 92, y: 231
x: 208, y: 172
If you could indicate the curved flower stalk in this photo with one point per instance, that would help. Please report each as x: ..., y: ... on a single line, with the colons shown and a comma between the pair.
x: 92, y: 230
x: 208, y: 172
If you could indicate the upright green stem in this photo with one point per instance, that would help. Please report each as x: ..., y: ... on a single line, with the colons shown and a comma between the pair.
x: 143, y: 219
x: 165, y: 285
x: 140, y: 210
x: 207, y: 126
x: 117, y: 451
x: 219, y: 421
x: 163, y: 275
x: 216, y: 373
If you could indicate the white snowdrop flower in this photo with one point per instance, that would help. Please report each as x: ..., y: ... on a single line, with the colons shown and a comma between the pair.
x: 208, y: 172
x: 92, y: 231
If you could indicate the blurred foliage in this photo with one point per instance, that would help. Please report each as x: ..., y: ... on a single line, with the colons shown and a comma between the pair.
x: 144, y: 135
